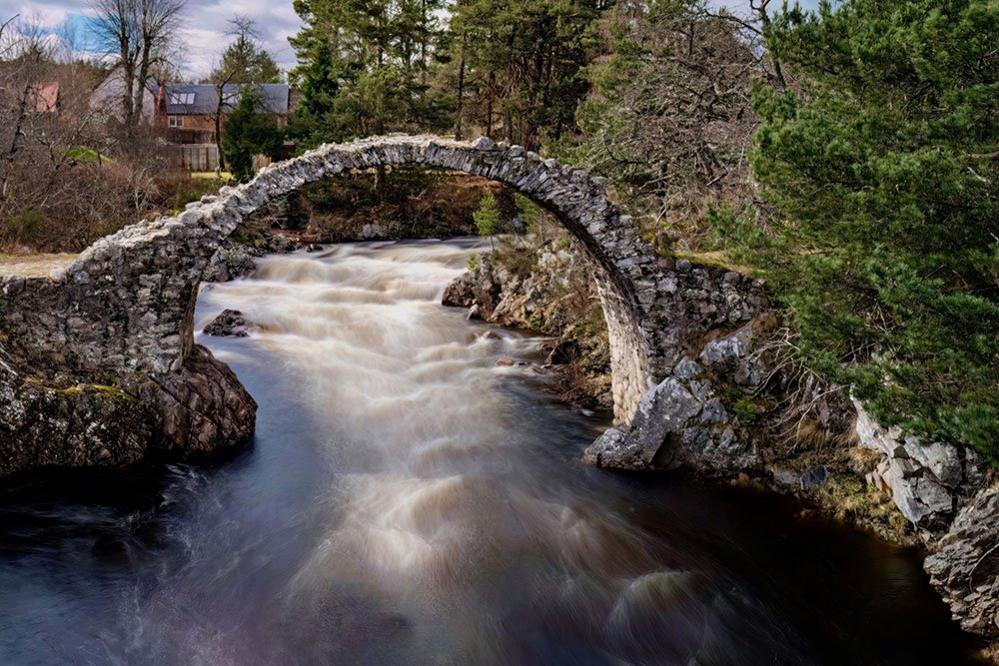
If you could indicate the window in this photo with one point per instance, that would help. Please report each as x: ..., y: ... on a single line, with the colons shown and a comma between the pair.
x: 183, y: 98
x: 175, y: 121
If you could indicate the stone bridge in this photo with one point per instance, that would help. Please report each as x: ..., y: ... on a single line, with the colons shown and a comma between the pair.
x: 124, y: 309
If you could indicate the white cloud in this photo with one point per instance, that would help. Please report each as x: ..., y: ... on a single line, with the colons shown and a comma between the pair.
x: 206, y: 25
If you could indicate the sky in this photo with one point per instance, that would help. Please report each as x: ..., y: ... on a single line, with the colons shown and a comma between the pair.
x: 207, y: 25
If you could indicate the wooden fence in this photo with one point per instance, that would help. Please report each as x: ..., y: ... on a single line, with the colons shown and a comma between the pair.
x: 204, y: 157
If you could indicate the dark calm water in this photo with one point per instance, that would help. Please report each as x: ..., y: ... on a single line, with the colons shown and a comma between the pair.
x: 408, y: 501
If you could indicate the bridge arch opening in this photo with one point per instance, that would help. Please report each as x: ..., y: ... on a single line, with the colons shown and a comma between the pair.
x: 154, y: 268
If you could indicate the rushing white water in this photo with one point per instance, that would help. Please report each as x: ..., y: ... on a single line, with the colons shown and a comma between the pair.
x: 408, y: 500
x: 410, y: 397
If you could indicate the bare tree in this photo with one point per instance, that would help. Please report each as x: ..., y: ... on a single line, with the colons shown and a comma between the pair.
x: 56, y: 191
x: 24, y: 53
x: 138, y: 34
x: 678, y: 126
x: 225, y: 100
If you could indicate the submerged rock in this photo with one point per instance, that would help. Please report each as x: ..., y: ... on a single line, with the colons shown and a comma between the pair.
x: 230, y: 323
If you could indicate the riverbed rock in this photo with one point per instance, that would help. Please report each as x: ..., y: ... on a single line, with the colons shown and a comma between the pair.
x: 965, y: 567
x: 459, y: 292
x: 230, y: 323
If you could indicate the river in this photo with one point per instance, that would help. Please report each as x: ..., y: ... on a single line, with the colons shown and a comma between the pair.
x: 407, y: 500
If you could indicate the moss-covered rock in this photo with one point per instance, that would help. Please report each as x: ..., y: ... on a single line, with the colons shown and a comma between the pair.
x: 200, y: 410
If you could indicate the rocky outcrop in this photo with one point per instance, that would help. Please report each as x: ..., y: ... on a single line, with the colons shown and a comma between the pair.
x: 716, y: 413
x: 546, y: 287
x: 928, y: 481
x: 965, y: 566
x: 549, y: 287
x: 199, y: 411
x: 944, y: 492
x: 460, y: 292
x: 684, y: 421
x: 679, y: 423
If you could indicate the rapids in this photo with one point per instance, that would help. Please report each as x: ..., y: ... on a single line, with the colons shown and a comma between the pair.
x: 409, y: 501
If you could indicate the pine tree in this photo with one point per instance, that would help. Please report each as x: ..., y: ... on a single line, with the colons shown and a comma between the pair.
x: 487, y: 218
x: 520, y: 65
x: 244, y: 61
x: 364, y: 67
x: 249, y: 132
x: 884, y: 174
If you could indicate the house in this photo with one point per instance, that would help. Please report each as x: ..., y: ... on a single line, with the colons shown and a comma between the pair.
x: 45, y: 97
x: 107, y: 97
x: 187, y: 111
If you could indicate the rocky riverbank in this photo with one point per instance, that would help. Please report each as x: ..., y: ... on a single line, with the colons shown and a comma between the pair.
x: 738, y: 408
x: 54, y: 421
x: 545, y: 287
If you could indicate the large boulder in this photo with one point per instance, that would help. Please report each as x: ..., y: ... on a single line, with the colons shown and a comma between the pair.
x: 679, y: 423
x: 200, y: 410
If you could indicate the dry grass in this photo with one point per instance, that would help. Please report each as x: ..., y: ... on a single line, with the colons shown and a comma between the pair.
x: 715, y: 259
x: 34, y: 265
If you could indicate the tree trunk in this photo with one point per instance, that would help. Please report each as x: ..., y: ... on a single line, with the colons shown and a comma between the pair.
x: 461, y: 92
x: 139, y: 95
x: 127, y: 99
x: 15, y: 144
x: 490, y: 92
x: 218, y: 132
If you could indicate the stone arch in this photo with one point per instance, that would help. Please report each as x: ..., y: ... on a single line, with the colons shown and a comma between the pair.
x: 125, y: 306
x: 148, y: 273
